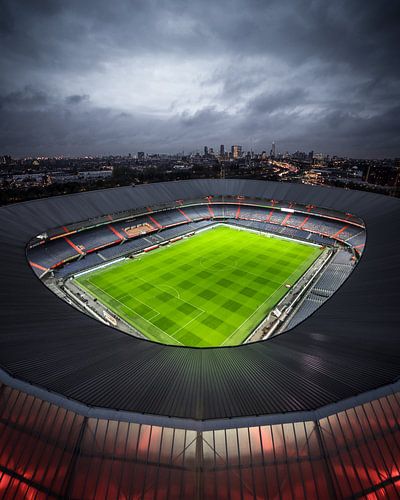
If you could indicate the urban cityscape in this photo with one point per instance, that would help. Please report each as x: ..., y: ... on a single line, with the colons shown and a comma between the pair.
x: 29, y: 178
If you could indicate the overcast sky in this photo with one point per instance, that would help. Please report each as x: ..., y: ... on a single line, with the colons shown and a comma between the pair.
x: 103, y: 77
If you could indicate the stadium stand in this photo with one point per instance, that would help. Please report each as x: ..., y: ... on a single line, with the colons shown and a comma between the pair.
x: 324, y: 226
x: 295, y: 233
x: 356, y: 239
x: 75, y: 266
x: 121, y: 225
x: 277, y: 217
x: 229, y: 211
x: 218, y: 210
x: 95, y: 238
x: 296, y: 220
x: 285, y: 223
x: 51, y: 253
x: 197, y: 212
x: 172, y: 232
x: 347, y: 232
x: 252, y: 213
x: 330, y: 280
x: 337, y: 214
x: 129, y: 246
x: 169, y: 218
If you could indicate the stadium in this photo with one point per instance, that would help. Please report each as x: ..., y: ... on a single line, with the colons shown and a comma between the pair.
x: 204, y: 338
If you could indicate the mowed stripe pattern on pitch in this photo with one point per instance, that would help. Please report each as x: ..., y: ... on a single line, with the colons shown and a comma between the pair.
x: 208, y: 290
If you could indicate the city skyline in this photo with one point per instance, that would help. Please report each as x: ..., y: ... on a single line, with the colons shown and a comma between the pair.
x: 91, y: 79
x: 222, y: 151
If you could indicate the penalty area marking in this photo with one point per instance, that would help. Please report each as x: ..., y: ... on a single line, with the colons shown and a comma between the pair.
x: 135, y: 313
x: 141, y: 301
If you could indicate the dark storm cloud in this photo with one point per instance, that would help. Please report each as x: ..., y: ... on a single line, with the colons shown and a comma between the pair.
x: 270, y: 102
x: 27, y: 98
x: 76, y: 99
x: 101, y: 77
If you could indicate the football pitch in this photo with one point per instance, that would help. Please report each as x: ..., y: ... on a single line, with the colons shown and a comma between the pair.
x: 210, y: 289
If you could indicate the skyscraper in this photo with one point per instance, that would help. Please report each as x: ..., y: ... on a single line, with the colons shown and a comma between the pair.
x: 236, y: 151
x: 205, y: 151
x: 222, y: 151
x: 273, y: 150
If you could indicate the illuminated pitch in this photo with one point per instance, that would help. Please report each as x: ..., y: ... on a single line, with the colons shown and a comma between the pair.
x: 211, y: 289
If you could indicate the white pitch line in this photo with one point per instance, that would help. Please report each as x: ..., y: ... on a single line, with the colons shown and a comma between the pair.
x: 172, y: 288
x: 136, y: 313
x: 161, y: 290
x: 111, y: 297
x: 268, y: 298
x: 141, y: 301
x: 188, y: 323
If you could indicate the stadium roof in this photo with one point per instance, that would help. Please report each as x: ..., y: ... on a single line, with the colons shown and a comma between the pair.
x: 348, y: 346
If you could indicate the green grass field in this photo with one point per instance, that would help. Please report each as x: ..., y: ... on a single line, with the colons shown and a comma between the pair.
x: 211, y: 289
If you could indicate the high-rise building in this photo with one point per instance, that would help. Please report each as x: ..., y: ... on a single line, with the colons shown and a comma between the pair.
x: 222, y: 151
x: 273, y: 150
x: 205, y: 151
x: 236, y: 151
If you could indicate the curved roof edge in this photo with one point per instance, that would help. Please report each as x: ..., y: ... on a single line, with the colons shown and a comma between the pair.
x: 196, y: 425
